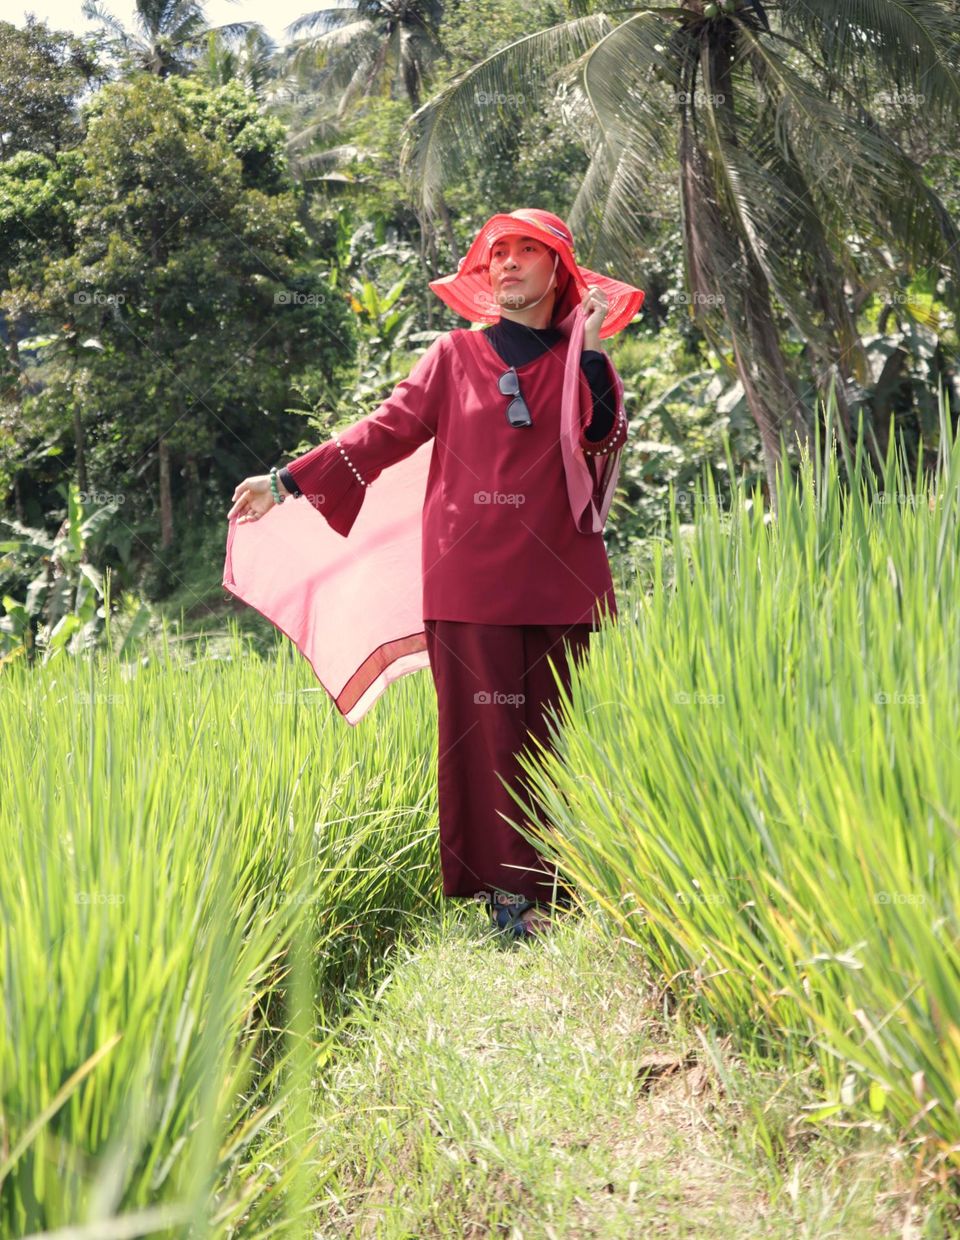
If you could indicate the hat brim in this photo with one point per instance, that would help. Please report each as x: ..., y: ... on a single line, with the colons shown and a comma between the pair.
x: 468, y: 292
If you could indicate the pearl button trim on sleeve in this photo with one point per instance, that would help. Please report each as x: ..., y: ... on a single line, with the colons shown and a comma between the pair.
x: 604, y: 446
x: 343, y: 453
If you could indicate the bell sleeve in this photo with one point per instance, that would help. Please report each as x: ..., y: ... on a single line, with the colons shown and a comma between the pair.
x: 606, y: 431
x: 334, y: 476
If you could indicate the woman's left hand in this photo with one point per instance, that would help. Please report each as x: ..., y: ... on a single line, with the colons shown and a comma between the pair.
x: 594, y: 306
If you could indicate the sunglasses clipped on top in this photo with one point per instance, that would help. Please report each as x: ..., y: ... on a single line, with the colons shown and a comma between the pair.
x: 518, y: 414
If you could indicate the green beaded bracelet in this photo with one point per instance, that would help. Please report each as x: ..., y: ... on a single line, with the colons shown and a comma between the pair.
x: 274, y: 488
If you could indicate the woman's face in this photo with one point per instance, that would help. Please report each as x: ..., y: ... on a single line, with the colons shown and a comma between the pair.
x: 520, y: 270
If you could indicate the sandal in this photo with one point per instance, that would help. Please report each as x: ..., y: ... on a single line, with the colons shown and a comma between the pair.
x: 507, y: 918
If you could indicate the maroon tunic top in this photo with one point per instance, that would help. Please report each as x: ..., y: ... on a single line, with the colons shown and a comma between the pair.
x: 500, y: 545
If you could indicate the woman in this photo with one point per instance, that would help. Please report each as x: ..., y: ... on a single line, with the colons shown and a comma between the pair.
x: 514, y: 569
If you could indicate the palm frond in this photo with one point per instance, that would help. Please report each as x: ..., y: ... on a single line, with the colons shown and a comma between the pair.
x: 629, y: 83
x: 630, y: 78
x: 157, y: 18
x: 415, y: 53
x: 818, y: 268
x: 915, y: 42
x: 611, y: 215
x: 317, y: 130
x: 190, y: 29
x: 339, y: 50
x: 326, y: 20
x: 711, y: 248
x: 366, y: 74
x: 468, y: 116
x: 334, y: 159
x: 343, y: 36
x: 771, y: 218
x: 96, y: 12
x: 854, y: 170
x: 234, y: 30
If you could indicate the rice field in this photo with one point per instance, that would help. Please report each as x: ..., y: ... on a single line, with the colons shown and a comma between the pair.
x: 763, y: 787
x: 759, y: 786
x: 197, y: 862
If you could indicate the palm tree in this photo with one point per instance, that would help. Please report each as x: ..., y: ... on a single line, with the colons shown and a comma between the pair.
x: 792, y: 196
x: 168, y: 33
x: 367, y: 45
x: 251, y: 63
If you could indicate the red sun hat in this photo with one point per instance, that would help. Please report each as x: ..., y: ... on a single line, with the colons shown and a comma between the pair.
x: 469, y: 291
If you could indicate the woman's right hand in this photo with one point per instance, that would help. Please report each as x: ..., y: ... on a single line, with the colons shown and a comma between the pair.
x: 252, y: 498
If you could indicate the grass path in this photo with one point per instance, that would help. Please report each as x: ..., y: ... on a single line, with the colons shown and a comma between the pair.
x: 534, y: 1091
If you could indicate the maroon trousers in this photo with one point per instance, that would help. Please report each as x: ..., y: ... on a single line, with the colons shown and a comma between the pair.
x: 493, y: 683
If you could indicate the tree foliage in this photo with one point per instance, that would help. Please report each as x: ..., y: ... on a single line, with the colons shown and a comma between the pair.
x: 184, y: 308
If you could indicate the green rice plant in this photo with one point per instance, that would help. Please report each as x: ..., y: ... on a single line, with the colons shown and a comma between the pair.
x: 198, y: 861
x: 757, y: 778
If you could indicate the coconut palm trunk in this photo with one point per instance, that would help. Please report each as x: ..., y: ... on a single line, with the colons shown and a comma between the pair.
x: 743, y: 293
